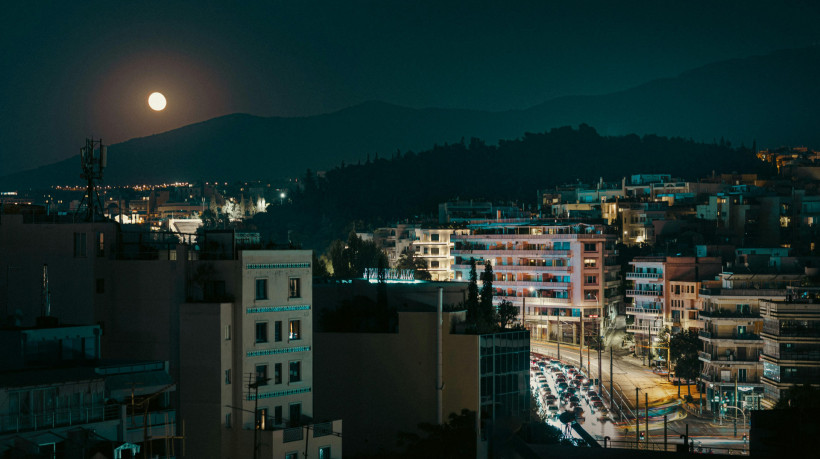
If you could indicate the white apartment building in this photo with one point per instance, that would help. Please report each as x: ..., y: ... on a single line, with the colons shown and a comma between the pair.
x: 647, y: 291
x: 264, y: 338
x: 558, y: 274
x: 434, y: 246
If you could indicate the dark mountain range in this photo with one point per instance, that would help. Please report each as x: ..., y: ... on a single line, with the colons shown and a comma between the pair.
x: 771, y: 99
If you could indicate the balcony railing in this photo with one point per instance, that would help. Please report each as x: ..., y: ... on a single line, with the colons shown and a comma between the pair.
x: 644, y: 293
x: 729, y: 336
x: 643, y: 330
x: 535, y: 301
x: 57, y: 418
x: 644, y: 311
x: 709, y: 357
x: 292, y: 434
x: 705, y: 356
x: 514, y: 251
x: 723, y: 313
x: 530, y: 268
x: 634, y: 275
x: 762, y: 292
x: 523, y: 283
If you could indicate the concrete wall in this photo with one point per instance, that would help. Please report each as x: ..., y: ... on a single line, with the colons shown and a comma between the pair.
x: 381, y: 384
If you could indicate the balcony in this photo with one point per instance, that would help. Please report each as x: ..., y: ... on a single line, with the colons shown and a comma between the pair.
x: 644, y: 311
x: 647, y: 276
x: 761, y: 292
x: 644, y: 293
x: 537, y: 284
x: 528, y: 268
x: 536, y: 301
x: 642, y: 330
x: 725, y: 314
x: 512, y: 251
x: 725, y: 359
x: 710, y: 335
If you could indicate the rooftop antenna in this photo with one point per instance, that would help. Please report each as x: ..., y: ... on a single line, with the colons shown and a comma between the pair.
x: 45, y: 307
x: 93, y: 159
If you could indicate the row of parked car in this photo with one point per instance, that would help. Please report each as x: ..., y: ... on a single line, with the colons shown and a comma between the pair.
x: 570, y: 386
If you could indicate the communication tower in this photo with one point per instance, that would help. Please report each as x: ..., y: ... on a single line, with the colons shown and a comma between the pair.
x: 93, y: 158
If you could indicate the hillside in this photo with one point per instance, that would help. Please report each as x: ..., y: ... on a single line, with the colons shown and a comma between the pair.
x: 771, y: 99
x: 412, y: 185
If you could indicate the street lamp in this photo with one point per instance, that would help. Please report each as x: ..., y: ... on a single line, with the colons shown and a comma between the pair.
x: 282, y: 198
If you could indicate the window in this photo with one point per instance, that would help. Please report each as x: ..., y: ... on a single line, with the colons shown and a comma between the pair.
x: 292, y: 455
x: 434, y: 237
x: 434, y: 264
x: 741, y: 375
x: 227, y: 332
x: 295, y: 372
x: 591, y: 280
x: 100, y: 285
x: 79, y: 245
x: 324, y: 452
x: 295, y: 413
x: 228, y: 420
x: 277, y: 331
x: 262, y: 375
x: 228, y: 376
x: 277, y: 373
x: 295, y: 287
x: 261, y: 417
x: 261, y: 289
x: 434, y: 251
x: 590, y: 262
x: 277, y: 415
x: 295, y: 330
x: 590, y: 294
x: 590, y: 247
x: 100, y: 244
x: 261, y: 332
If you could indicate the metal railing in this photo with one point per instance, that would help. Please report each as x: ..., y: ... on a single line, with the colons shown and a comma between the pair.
x: 644, y: 292
x: 58, y: 418
x: 648, y: 311
x: 634, y: 275
x: 292, y: 434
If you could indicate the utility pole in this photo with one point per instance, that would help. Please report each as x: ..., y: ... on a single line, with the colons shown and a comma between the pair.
x: 637, y: 419
x: 664, y: 432
x: 581, y: 341
x: 600, y: 375
x: 611, y: 375
x: 558, y: 338
x: 646, y: 418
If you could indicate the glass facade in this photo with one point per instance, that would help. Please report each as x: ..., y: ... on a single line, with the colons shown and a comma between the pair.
x: 504, y: 376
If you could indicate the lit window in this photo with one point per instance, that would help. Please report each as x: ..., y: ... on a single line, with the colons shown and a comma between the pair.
x: 295, y: 330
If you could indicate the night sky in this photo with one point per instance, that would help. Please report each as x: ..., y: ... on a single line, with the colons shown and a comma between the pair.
x: 76, y: 71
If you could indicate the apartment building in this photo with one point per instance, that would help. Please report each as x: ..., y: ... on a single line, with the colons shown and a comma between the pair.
x: 562, y: 276
x: 645, y: 316
x: 423, y: 369
x: 684, y: 278
x: 253, y: 380
x: 223, y: 316
x: 731, y: 336
x: 59, y: 399
x: 434, y: 246
x: 791, y: 343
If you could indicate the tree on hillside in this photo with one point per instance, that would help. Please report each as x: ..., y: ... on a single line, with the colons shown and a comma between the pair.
x: 485, y: 306
x: 350, y: 261
x: 472, y: 294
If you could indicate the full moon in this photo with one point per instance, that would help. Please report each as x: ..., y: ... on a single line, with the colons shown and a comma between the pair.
x: 156, y: 101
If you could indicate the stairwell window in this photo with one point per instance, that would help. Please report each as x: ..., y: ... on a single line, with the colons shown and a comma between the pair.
x: 79, y: 245
x: 295, y: 371
x: 294, y: 287
x: 261, y: 332
x: 261, y: 289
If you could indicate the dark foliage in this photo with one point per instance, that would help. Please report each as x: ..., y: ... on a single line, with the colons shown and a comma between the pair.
x: 455, y: 439
x: 388, y: 190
